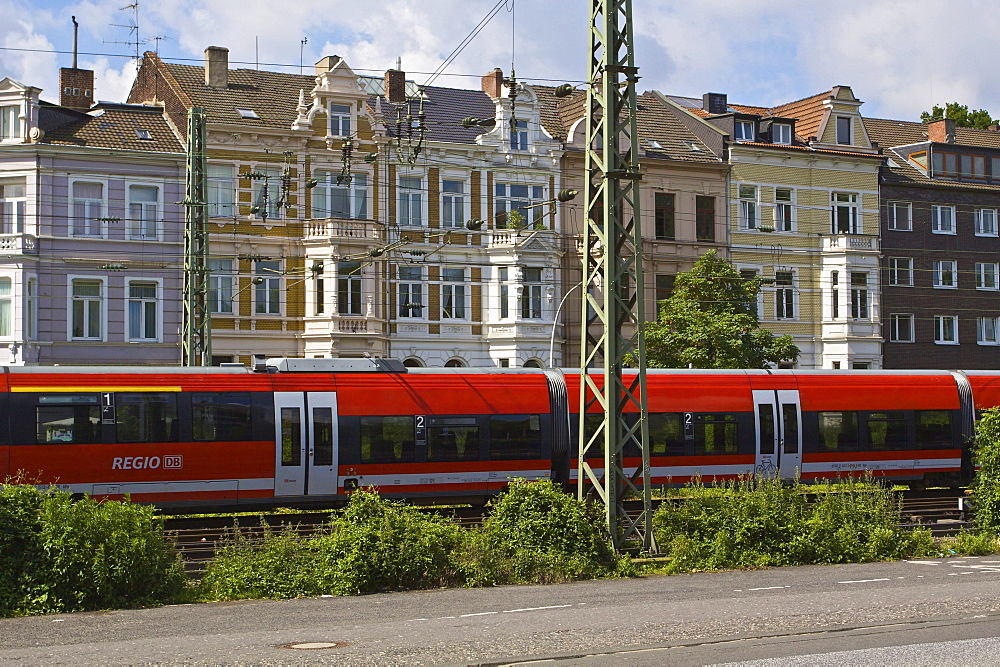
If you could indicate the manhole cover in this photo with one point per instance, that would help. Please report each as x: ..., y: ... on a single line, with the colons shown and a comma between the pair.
x: 314, y: 646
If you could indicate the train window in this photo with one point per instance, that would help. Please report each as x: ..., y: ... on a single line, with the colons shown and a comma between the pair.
x: 887, y: 430
x: 68, y: 418
x: 452, y: 439
x: 790, y: 427
x: 387, y: 439
x: 838, y: 431
x: 322, y: 436
x: 666, y: 434
x: 291, y: 437
x: 765, y: 415
x: 515, y: 437
x: 715, y: 433
x: 148, y: 417
x: 934, y: 429
x: 222, y: 416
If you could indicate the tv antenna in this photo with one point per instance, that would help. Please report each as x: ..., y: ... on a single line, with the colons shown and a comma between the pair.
x: 133, y: 29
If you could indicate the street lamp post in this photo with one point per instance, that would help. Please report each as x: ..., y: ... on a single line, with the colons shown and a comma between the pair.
x: 555, y: 321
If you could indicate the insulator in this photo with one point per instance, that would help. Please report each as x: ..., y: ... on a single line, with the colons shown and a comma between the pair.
x: 567, y: 194
x: 474, y: 224
x: 565, y: 90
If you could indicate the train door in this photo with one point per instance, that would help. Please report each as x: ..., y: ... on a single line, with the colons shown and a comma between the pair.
x: 305, y: 443
x: 778, y: 417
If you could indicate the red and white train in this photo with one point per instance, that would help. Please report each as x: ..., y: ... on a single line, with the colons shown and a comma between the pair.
x: 311, y: 430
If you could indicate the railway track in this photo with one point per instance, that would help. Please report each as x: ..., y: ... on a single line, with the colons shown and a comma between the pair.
x: 198, y: 538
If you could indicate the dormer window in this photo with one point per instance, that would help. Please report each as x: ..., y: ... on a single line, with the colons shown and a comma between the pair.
x: 10, y: 124
x: 340, y: 120
x: 781, y: 133
x: 519, y: 136
x: 745, y: 130
x: 247, y: 113
x: 143, y: 134
x: 844, y: 130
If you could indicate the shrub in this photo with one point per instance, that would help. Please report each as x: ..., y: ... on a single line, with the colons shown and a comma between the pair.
x: 972, y: 543
x: 986, y: 484
x: 535, y: 533
x: 58, y: 554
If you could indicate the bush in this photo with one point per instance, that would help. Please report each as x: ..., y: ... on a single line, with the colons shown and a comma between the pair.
x: 757, y: 523
x: 62, y: 555
x: 972, y: 543
x: 373, y: 545
x: 535, y: 533
x: 986, y: 484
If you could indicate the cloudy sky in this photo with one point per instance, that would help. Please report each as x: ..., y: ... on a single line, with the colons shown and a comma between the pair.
x: 899, y: 56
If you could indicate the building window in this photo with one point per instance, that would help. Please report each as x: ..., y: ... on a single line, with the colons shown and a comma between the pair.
x: 88, y: 208
x: 749, y: 208
x: 663, y: 217
x: 784, y: 293
x: 143, y: 212
x: 503, y: 275
x: 664, y: 288
x: 340, y: 120
x: 986, y: 275
x: 333, y: 198
x: 142, y: 311
x: 704, y: 218
x: 453, y: 294
x: 946, y: 329
x: 411, y: 201
x: 986, y: 222
x: 319, y: 291
x: 519, y: 136
x: 12, y: 204
x: 986, y: 331
x: 784, y: 210
x: 754, y: 307
x: 31, y: 309
x: 901, y: 271
x: 835, y: 294
x: 845, y: 213
x: 410, y: 297
x: 745, y: 130
x: 945, y: 274
x: 6, y: 307
x: 531, y: 296
x: 87, y: 316
x: 267, y: 193
x: 859, y: 296
x: 900, y: 216
x: 220, y: 285
x: 844, y: 130
x: 516, y: 198
x: 781, y: 133
x: 349, y: 288
x: 942, y: 219
x: 221, y: 191
x: 452, y: 203
x: 10, y: 124
x: 267, y: 283
x: 901, y: 328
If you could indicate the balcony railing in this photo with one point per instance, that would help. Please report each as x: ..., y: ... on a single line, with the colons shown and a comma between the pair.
x: 862, y: 242
x: 337, y: 229
x: 18, y: 244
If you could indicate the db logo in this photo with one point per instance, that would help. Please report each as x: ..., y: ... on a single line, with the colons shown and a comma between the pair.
x: 173, y: 461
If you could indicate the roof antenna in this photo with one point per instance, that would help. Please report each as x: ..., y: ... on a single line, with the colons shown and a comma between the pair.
x: 76, y: 37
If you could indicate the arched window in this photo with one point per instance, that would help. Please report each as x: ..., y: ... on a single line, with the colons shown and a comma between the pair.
x: 412, y: 363
x: 454, y: 363
x: 532, y: 363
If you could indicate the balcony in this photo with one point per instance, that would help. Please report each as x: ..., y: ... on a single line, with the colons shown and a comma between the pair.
x: 849, y: 242
x: 339, y: 231
x: 18, y: 244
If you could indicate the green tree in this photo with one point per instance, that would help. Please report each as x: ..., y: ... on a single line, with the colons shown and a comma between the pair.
x: 960, y: 114
x: 986, y: 484
x: 710, y: 321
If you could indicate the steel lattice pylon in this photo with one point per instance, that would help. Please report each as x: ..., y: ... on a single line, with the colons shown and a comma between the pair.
x: 196, y: 327
x: 612, y: 275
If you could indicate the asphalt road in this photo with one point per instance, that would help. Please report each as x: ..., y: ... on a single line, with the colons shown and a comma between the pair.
x: 936, y: 611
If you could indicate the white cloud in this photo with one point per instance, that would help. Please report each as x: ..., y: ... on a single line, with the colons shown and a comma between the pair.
x: 27, y: 56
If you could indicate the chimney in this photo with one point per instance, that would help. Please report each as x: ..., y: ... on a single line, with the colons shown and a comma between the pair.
x: 941, y: 131
x: 76, y: 86
x: 493, y: 84
x: 715, y: 103
x: 217, y: 67
x: 326, y: 63
x: 395, y: 86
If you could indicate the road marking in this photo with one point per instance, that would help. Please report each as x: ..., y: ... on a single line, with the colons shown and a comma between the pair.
x: 861, y: 581
x: 482, y: 613
x: 922, y: 562
x: 767, y: 588
x: 555, y: 606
